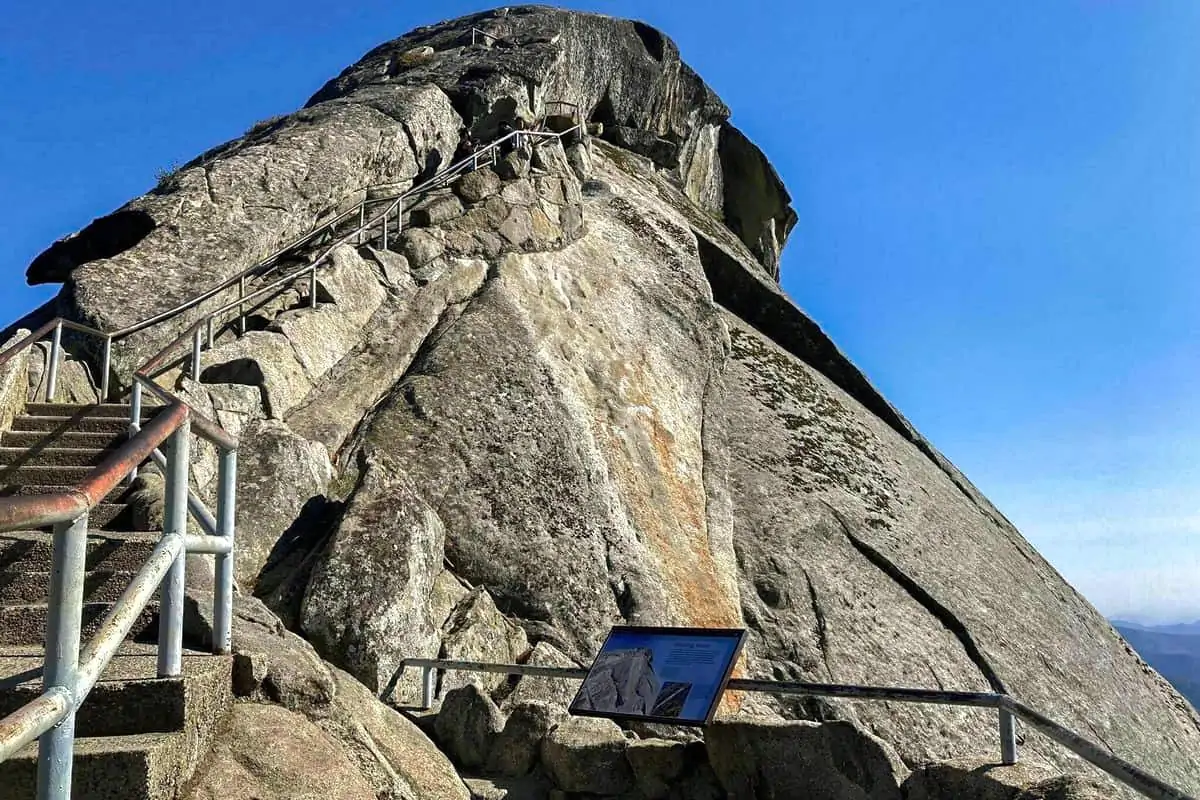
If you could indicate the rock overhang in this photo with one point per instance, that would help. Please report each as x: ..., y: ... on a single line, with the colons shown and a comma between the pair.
x: 623, y: 75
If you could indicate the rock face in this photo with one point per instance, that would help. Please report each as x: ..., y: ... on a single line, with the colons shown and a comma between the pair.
x: 572, y: 394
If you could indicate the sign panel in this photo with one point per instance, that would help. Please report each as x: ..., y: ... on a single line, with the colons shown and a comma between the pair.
x: 671, y: 675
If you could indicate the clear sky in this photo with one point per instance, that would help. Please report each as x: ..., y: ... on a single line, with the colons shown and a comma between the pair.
x: 998, y: 210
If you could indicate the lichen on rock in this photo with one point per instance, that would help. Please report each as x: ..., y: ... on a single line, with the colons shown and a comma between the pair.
x: 571, y: 394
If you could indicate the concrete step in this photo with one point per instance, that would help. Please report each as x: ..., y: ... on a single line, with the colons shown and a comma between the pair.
x: 120, y: 410
x: 144, y: 766
x: 148, y: 766
x: 110, y: 516
x: 106, y: 550
x: 43, y: 476
x: 100, y: 586
x: 90, y: 440
x: 113, y: 496
x: 40, y: 456
x: 130, y: 698
x: 26, y: 624
x: 57, y: 425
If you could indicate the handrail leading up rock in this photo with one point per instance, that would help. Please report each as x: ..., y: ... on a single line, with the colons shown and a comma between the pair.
x: 321, y: 229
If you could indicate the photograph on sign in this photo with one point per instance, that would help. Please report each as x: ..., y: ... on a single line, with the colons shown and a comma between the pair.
x: 671, y: 675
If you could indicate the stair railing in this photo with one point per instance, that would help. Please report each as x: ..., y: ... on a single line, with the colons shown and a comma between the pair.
x: 70, y: 671
x: 1007, y: 708
x: 372, y: 224
x: 368, y: 219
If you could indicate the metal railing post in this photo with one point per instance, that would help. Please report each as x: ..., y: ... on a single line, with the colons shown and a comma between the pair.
x: 385, y: 236
x: 241, y: 306
x: 362, y: 223
x: 209, y: 336
x: 1008, y: 736
x: 105, y: 368
x: 399, y: 217
x: 135, y: 417
x: 170, y: 612
x: 52, y: 367
x: 312, y: 282
x: 56, y: 746
x: 223, y: 585
x: 196, y: 346
x: 428, y: 676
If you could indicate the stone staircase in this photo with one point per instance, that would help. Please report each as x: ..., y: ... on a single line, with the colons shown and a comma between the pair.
x: 139, y: 736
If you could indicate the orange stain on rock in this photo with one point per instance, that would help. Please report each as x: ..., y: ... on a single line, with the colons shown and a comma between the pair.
x: 669, y: 506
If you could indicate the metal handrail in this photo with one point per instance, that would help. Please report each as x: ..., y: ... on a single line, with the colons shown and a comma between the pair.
x: 327, y: 226
x: 70, y: 672
x: 56, y: 326
x: 477, y: 32
x: 203, y: 328
x: 1007, y: 708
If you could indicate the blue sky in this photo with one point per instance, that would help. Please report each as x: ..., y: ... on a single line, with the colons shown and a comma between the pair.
x: 997, y: 201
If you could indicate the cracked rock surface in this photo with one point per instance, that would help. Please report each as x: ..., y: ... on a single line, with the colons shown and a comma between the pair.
x: 571, y: 394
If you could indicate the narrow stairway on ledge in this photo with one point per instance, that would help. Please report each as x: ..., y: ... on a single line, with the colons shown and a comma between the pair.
x: 138, y: 735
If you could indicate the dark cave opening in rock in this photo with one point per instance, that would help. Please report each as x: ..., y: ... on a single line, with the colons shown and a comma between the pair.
x: 654, y: 40
x: 103, y: 238
x: 604, y: 113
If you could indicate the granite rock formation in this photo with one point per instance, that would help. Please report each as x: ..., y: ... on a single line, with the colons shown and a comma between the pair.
x: 572, y: 394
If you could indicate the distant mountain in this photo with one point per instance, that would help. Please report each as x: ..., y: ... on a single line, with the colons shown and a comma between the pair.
x: 1173, y: 650
x: 1186, y: 628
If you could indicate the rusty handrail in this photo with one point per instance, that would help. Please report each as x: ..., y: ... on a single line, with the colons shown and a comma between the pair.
x: 37, y: 510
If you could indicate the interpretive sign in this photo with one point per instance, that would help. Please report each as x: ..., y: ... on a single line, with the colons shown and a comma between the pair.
x: 671, y: 675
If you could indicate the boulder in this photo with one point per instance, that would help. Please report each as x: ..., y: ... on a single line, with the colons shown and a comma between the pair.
x: 320, y: 338
x: 397, y: 274
x: 515, y: 751
x: 584, y: 754
x: 467, y: 726
x: 351, y: 283
x: 274, y: 665
x: 519, y: 193
x: 989, y: 781
x: 14, y: 381
x: 518, y: 227
x: 234, y: 405
x: 415, y: 56
x: 554, y: 691
x: 365, y: 606
x: 393, y: 754
x: 281, y: 477
x: 477, y: 631
x: 830, y: 761
x: 73, y: 383
x: 478, y: 185
x: 265, y: 359
x: 529, y: 787
x: 436, y: 210
x: 657, y: 765
x: 269, y: 753
x: 579, y: 155
x: 513, y: 166
x: 420, y: 247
